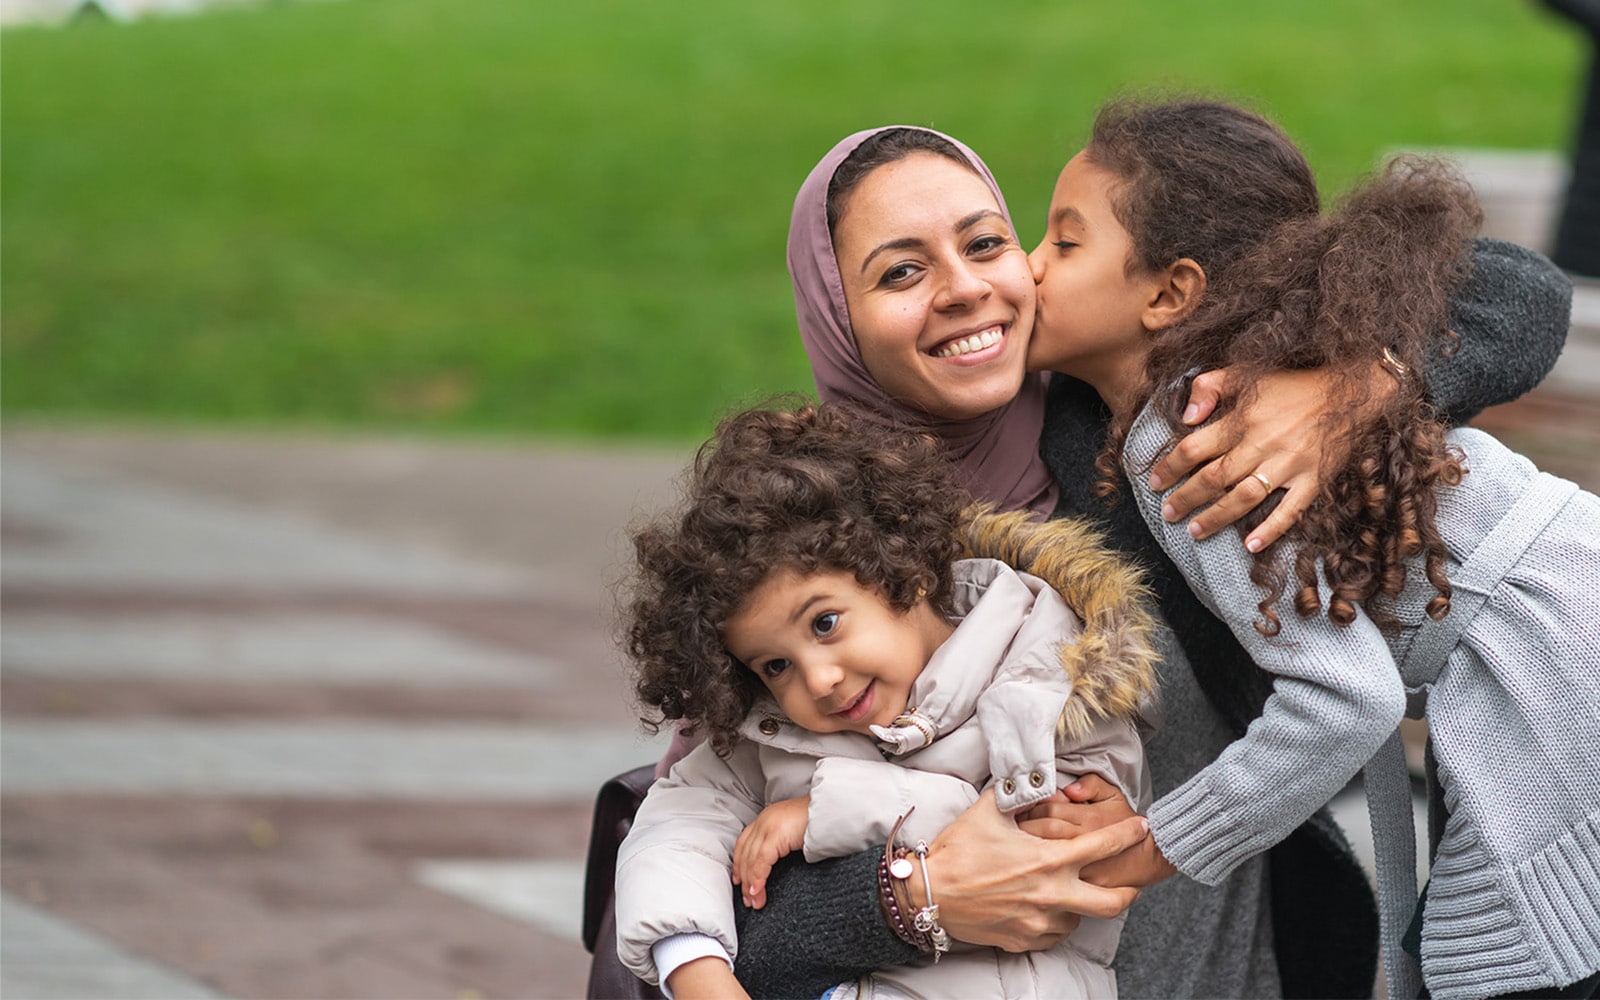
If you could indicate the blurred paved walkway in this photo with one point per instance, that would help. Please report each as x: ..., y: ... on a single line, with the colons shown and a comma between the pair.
x: 305, y: 719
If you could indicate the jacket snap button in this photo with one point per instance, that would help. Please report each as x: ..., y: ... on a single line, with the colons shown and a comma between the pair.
x: 769, y: 727
x: 1036, y: 779
x: 1008, y: 786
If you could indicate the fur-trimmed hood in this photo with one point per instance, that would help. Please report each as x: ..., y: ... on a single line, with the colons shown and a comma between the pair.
x: 1113, y: 663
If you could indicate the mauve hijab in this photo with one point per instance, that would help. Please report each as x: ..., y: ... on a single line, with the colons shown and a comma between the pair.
x: 998, y: 453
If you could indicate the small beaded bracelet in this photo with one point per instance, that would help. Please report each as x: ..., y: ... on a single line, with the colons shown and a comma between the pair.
x: 890, y: 905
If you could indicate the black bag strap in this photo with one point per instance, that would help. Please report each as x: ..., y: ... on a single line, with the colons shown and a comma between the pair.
x: 614, y: 808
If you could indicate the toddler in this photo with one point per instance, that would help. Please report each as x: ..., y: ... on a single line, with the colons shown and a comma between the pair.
x: 808, y: 613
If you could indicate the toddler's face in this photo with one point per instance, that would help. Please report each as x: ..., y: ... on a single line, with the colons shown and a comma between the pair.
x: 833, y: 653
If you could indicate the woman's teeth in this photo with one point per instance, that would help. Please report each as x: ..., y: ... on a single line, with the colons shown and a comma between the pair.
x: 966, y: 345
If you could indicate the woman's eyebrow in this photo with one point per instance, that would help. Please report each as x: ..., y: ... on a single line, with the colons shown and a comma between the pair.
x: 904, y: 243
x: 977, y: 217
x: 911, y: 243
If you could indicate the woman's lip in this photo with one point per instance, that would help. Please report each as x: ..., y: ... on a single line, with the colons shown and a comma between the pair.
x: 859, y: 709
x: 977, y: 356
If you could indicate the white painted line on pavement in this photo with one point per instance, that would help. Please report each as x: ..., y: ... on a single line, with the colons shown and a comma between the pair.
x: 308, y: 647
x: 43, y: 957
x: 545, y: 893
x: 329, y: 759
x: 117, y: 533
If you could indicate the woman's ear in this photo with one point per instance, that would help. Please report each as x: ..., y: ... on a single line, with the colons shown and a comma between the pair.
x: 1177, y: 293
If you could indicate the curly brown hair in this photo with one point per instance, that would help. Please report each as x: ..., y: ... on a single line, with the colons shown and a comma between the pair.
x: 815, y: 489
x: 1289, y: 288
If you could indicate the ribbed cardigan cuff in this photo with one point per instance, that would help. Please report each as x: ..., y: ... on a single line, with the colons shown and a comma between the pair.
x: 1200, y: 836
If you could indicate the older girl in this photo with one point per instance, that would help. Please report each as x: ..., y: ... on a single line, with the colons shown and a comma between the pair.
x: 1433, y: 565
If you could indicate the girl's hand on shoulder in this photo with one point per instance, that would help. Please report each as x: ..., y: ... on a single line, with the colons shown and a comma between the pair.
x: 1278, y: 442
x: 779, y: 830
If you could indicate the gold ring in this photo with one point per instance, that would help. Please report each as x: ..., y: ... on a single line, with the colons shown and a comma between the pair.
x: 1264, y: 480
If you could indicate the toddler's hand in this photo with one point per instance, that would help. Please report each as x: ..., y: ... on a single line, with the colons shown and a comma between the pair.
x: 780, y: 829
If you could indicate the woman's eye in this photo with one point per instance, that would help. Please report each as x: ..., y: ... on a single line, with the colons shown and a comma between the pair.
x: 898, y: 275
x: 824, y: 624
x: 773, y: 668
x: 987, y: 244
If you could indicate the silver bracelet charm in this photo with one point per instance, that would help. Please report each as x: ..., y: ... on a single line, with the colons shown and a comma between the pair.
x: 926, y: 919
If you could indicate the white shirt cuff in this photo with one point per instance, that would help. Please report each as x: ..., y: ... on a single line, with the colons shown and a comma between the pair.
x: 681, y: 949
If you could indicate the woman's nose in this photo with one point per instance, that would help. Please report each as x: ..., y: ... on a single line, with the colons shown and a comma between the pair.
x: 961, y: 286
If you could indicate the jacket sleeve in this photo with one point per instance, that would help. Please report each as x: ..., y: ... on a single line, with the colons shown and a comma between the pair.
x: 1512, y: 318
x: 854, y: 805
x: 673, y: 868
x: 1336, y: 696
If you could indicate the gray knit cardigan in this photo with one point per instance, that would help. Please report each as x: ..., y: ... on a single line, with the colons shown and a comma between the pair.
x: 1511, y: 683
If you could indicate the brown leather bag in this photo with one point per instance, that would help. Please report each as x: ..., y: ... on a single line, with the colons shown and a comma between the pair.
x: 614, y: 808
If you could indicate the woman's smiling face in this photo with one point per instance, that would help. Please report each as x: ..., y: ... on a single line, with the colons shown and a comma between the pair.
x: 940, y: 296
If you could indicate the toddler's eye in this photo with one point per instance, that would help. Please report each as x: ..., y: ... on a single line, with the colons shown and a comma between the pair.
x: 773, y: 668
x: 824, y: 624
x: 1064, y: 244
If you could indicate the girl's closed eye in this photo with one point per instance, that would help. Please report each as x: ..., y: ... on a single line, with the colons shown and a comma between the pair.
x: 824, y: 624
x: 1063, y: 244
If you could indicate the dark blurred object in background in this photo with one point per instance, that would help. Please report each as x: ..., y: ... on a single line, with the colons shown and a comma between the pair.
x: 1577, y: 246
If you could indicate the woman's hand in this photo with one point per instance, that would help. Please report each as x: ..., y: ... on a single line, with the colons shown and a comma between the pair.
x: 1000, y: 887
x: 1278, y: 442
x: 1092, y: 803
x: 708, y: 978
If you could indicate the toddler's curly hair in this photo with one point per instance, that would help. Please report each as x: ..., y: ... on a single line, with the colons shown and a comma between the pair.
x: 815, y: 489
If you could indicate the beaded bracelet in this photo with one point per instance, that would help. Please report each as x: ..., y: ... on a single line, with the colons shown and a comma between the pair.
x: 890, y: 906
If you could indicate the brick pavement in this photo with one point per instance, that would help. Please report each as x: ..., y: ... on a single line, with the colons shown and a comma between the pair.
x: 289, y: 718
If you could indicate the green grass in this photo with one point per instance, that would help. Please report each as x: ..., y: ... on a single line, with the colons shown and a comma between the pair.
x: 526, y: 216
